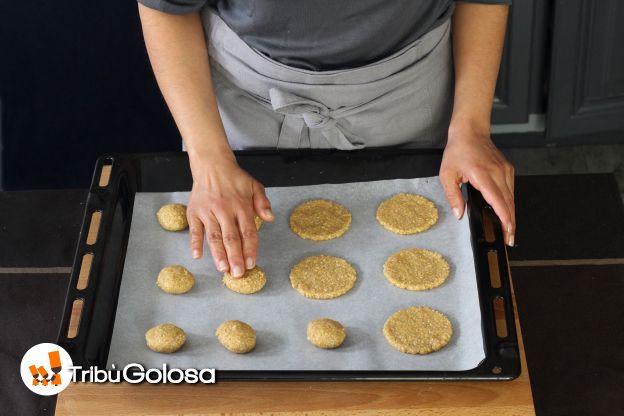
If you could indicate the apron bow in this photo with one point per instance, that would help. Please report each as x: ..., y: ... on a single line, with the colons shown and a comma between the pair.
x: 299, y: 112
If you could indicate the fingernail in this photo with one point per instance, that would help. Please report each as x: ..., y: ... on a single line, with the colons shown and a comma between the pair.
x: 268, y: 213
x: 511, y: 241
x: 223, y: 266
x: 195, y: 254
x: 237, y: 271
x: 457, y: 213
x: 249, y: 263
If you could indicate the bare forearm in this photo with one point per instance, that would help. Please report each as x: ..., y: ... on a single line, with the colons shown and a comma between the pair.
x: 470, y: 156
x: 224, y: 197
x: 179, y: 57
x: 478, y: 36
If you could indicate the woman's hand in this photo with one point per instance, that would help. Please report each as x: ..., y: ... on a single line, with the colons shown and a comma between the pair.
x: 224, y: 197
x: 471, y: 156
x: 223, y: 201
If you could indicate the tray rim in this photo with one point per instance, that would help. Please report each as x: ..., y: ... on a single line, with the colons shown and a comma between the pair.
x: 500, y: 353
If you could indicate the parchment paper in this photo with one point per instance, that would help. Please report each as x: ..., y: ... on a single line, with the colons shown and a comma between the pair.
x: 279, y: 313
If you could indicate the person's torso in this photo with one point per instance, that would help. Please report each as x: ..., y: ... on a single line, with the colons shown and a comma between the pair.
x: 331, y: 34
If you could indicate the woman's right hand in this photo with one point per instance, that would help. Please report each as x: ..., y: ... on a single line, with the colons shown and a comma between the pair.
x: 221, y: 207
x: 224, y: 197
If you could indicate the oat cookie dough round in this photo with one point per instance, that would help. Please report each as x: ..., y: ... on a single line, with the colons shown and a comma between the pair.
x: 320, y: 219
x: 407, y: 214
x: 236, y: 336
x: 175, y: 279
x: 416, y: 269
x: 251, y: 282
x: 172, y: 217
x: 165, y: 338
x: 418, y: 330
x: 322, y: 277
x: 326, y: 333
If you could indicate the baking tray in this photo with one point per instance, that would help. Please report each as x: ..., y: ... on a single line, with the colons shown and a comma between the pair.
x: 129, y: 174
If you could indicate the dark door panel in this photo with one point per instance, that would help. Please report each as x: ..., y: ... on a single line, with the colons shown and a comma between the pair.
x: 587, y: 76
x: 511, y: 98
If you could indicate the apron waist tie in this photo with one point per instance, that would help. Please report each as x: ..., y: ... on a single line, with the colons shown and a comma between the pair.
x: 300, y: 112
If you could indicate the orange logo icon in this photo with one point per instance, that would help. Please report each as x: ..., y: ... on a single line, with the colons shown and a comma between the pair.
x: 46, y: 369
x: 55, y: 366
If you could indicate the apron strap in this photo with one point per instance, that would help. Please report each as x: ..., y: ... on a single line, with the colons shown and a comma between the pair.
x: 299, y: 112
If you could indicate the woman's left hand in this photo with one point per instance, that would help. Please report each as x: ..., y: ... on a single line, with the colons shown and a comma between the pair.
x: 471, y: 156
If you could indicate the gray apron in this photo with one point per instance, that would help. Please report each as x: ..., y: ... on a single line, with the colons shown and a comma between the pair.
x: 404, y: 99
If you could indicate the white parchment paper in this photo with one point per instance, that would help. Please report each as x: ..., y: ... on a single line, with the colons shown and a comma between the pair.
x: 279, y: 313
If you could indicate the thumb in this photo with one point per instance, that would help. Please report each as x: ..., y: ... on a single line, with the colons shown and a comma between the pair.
x: 451, y: 185
x: 261, y: 203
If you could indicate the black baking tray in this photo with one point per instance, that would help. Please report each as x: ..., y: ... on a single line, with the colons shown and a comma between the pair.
x: 170, y: 172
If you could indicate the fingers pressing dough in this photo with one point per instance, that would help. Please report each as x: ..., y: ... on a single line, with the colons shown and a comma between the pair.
x: 251, y: 282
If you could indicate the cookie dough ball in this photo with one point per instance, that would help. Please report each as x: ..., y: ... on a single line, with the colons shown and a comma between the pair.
x: 172, y: 217
x: 251, y: 282
x: 407, y: 214
x: 416, y: 269
x: 418, y: 330
x: 326, y: 333
x: 322, y: 277
x: 320, y: 219
x: 258, y: 221
x: 236, y: 336
x: 165, y: 338
x: 175, y: 280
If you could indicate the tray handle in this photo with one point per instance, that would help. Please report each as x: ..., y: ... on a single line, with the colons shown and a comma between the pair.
x: 76, y: 331
x: 495, y: 287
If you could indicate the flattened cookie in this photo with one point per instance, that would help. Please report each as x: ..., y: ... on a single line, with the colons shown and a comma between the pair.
x: 322, y: 277
x: 407, y: 214
x: 418, y: 330
x: 172, y: 217
x: 320, y: 219
x: 258, y: 221
x: 251, y: 282
x: 175, y: 279
x: 326, y: 333
x: 165, y: 338
x: 236, y: 336
x: 416, y: 269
